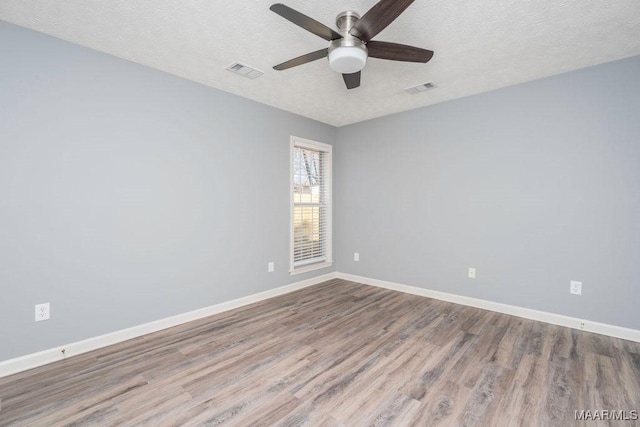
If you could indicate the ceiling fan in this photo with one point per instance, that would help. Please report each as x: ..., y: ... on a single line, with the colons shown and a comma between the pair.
x: 351, y: 44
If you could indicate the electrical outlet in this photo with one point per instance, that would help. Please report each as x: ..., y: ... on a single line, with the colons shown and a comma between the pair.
x: 575, y: 288
x: 472, y: 273
x: 42, y: 312
x: 356, y: 256
x: 270, y: 267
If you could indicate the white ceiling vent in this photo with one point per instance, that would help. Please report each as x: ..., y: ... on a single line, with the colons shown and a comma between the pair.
x: 420, y: 88
x: 244, y: 70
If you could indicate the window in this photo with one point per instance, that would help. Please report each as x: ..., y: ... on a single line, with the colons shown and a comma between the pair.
x: 310, y: 205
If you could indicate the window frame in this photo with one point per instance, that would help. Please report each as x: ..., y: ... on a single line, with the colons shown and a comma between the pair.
x: 294, y: 142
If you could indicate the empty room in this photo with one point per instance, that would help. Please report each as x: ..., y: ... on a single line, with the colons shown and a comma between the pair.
x: 391, y: 212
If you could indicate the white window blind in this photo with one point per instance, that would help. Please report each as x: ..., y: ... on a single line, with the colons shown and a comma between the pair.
x: 311, y: 204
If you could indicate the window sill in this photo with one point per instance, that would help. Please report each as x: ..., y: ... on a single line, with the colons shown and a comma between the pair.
x: 310, y: 267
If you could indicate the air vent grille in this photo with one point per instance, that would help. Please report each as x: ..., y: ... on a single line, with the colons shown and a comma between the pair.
x: 421, y: 88
x: 244, y: 70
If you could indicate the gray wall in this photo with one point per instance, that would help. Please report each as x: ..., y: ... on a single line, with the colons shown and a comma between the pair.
x: 534, y: 185
x: 129, y: 195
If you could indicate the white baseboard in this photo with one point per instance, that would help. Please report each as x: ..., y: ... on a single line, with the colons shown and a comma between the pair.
x: 34, y: 360
x: 527, y: 313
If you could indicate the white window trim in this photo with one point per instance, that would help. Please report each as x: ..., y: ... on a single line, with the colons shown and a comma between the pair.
x: 295, y: 141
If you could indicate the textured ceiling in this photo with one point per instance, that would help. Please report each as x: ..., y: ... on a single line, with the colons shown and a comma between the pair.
x: 479, y: 46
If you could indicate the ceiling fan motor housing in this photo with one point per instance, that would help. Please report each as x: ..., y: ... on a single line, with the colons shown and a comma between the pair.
x: 347, y: 55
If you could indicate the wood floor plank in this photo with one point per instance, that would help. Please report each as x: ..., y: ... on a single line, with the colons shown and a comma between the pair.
x: 336, y: 354
x: 398, y: 409
x: 438, y: 365
x: 469, y: 366
x: 373, y: 388
x: 557, y: 408
x: 526, y: 391
x: 485, y: 397
x: 270, y: 412
x: 442, y: 406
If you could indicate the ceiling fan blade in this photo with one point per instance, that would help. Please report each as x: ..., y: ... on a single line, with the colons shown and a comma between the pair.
x: 398, y: 52
x: 305, y: 22
x: 352, y: 80
x: 309, y: 57
x: 378, y: 17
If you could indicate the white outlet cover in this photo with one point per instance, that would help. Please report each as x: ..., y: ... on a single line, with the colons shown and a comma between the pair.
x: 575, y: 288
x: 356, y: 256
x: 43, y: 312
x: 472, y: 273
x: 270, y: 267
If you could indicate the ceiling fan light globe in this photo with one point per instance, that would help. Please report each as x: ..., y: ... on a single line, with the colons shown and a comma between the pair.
x: 347, y: 59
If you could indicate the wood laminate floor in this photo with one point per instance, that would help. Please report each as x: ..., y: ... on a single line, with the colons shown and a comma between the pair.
x: 338, y: 353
